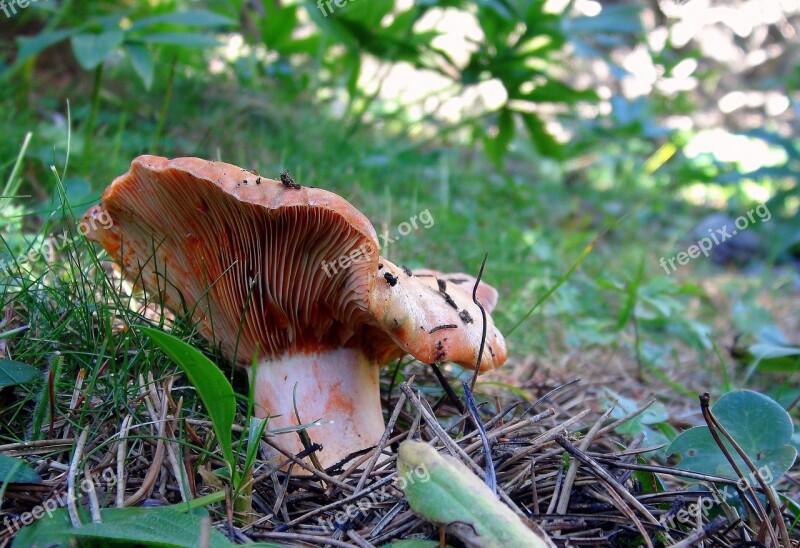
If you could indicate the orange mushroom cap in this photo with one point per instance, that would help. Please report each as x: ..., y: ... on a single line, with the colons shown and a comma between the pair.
x: 247, y: 255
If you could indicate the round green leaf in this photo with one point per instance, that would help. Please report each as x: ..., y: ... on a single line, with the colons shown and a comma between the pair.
x: 761, y: 427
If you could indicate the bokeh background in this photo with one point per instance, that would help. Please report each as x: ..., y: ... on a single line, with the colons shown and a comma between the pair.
x: 528, y: 129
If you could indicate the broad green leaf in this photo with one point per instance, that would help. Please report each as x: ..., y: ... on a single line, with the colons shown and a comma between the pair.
x: 91, y: 49
x: 16, y: 471
x: 541, y: 139
x: 187, y: 39
x: 189, y: 18
x: 212, y: 386
x: 277, y: 26
x: 15, y: 373
x: 496, y: 146
x: 29, y: 46
x: 445, y: 492
x: 165, y: 527
x: 761, y: 427
x: 142, y: 62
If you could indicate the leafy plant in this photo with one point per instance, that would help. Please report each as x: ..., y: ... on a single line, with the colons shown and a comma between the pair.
x: 761, y: 427
x: 168, y: 527
x: 446, y: 492
x: 652, y: 423
x: 14, y: 373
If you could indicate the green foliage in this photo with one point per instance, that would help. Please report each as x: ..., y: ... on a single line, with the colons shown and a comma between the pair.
x: 14, y: 373
x: 16, y: 471
x: 96, y: 39
x: 213, y: 388
x: 152, y: 527
x: 444, y: 491
x: 652, y: 423
x: 761, y: 427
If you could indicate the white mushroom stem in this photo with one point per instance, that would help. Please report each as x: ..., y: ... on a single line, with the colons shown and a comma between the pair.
x: 338, y: 385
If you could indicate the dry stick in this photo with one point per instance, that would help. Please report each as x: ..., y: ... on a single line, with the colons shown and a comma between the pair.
x: 483, y: 330
x: 534, y: 489
x: 382, y: 443
x: 675, y: 472
x: 359, y: 540
x: 451, y: 395
x: 320, y: 475
x: 550, y: 393
x: 342, y: 502
x: 712, y: 420
x: 556, y: 491
x: 606, y: 478
x: 509, y: 428
x: 625, y: 419
x: 390, y: 515
x: 491, y: 476
x: 451, y: 446
x: 625, y: 509
x: 695, y: 538
x: 572, y: 472
x: 158, y: 459
x: 72, y: 508
x: 121, y: 450
x: 307, y: 538
x: 543, y: 439
x: 94, y: 504
x: 155, y: 407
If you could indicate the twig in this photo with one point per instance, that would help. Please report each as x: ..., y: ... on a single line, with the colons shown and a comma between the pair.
x: 483, y: 329
x: 121, y: 450
x: 452, y: 396
x: 72, y: 507
x: 94, y: 504
x: 572, y: 472
x: 695, y: 538
x: 491, y: 477
x: 382, y: 443
x: 713, y: 424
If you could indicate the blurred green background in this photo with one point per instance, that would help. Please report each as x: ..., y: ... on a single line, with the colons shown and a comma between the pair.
x: 529, y: 129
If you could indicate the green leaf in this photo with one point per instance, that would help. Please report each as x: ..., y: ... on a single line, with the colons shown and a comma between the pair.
x: 30, y: 46
x: 761, y: 427
x: 541, y: 139
x: 212, y: 386
x: 497, y: 146
x: 15, y: 373
x: 165, y: 527
x: 142, y: 62
x: 186, y: 39
x: 445, y: 492
x: 189, y: 18
x: 91, y: 49
x: 277, y: 26
x: 16, y: 471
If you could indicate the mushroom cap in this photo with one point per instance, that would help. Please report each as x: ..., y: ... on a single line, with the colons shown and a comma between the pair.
x: 246, y: 257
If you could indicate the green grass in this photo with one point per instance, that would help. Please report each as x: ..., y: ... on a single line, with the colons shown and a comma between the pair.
x: 597, y: 312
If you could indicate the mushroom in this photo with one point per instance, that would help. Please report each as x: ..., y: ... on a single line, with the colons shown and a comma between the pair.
x: 288, y: 278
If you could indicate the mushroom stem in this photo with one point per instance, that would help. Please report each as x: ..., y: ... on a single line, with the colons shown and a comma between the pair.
x: 338, y: 385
